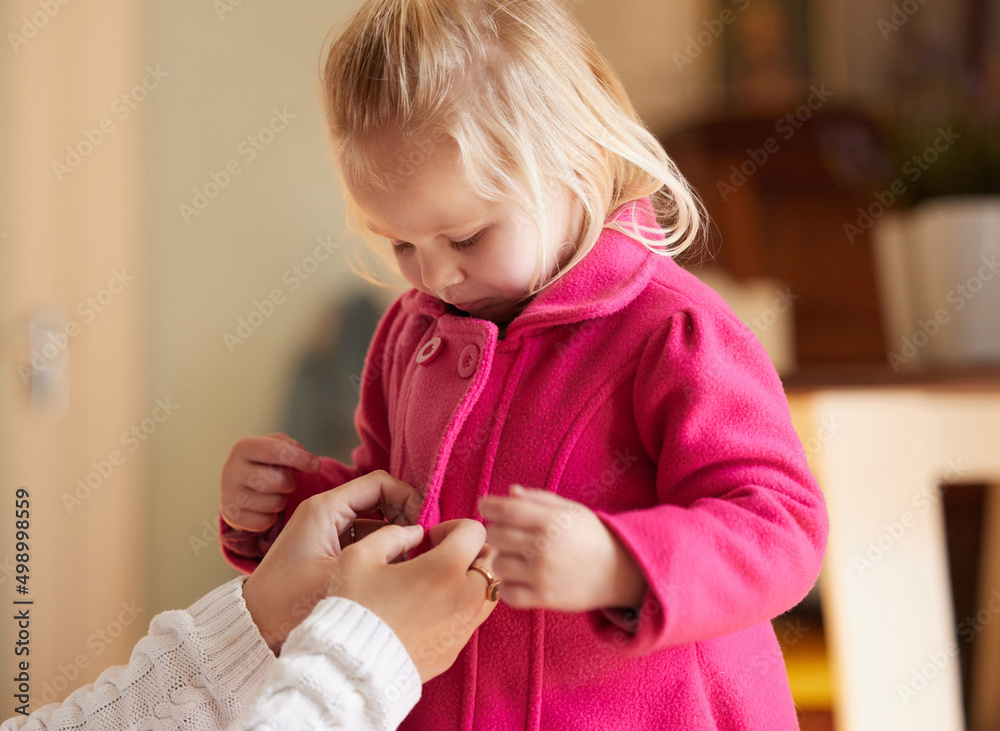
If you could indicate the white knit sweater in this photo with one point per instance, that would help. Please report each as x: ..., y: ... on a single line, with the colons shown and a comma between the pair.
x: 209, y: 668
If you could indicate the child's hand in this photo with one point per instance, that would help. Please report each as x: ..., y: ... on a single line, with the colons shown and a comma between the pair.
x: 557, y: 554
x: 256, y: 480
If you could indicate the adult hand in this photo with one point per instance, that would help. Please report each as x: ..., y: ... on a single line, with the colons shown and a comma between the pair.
x: 295, y: 573
x: 433, y: 602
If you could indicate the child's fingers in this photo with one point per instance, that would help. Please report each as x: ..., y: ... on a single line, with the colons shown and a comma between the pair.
x: 261, y: 502
x: 518, y: 597
x: 542, y: 497
x: 285, y: 438
x: 265, y: 479
x: 274, y: 451
x: 513, y: 568
x: 516, y: 512
x: 250, y: 521
x: 507, y: 539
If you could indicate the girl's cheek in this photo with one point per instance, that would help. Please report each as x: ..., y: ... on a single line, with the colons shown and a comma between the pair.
x: 408, y: 272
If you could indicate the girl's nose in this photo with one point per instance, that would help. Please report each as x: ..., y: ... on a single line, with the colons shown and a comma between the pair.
x: 440, y: 273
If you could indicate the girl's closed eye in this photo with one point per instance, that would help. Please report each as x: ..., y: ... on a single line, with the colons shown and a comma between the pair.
x: 400, y: 247
x: 469, y: 242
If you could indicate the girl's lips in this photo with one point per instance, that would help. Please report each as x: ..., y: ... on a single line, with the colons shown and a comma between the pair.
x: 466, y: 306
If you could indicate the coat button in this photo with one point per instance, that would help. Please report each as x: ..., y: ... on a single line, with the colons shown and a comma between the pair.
x: 468, y: 361
x: 429, y: 352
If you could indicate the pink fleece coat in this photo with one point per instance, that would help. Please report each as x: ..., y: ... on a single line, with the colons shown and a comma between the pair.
x: 631, y: 387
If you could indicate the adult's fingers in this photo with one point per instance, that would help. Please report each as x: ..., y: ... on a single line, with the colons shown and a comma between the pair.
x: 389, y: 543
x: 458, y: 542
x: 328, y: 515
x: 399, y: 502
x: 437, y: 533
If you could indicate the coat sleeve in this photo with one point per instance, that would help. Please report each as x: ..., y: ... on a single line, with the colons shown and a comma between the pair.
x: 245, y: 549
x: 194, y: 669
x: 740, y: 530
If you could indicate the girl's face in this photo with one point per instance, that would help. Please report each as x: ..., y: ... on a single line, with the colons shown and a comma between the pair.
x: 475, y: 254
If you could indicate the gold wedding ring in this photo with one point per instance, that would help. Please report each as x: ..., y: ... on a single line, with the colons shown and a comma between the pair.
x: 493, y: 585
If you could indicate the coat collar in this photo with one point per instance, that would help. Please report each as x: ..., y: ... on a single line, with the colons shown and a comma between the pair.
x: 607, y: 279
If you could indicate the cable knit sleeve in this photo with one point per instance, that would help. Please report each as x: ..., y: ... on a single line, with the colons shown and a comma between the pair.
x: 342, y: 668
x: 196, y: 669
x: 245, y: 549
x: 740, y: 531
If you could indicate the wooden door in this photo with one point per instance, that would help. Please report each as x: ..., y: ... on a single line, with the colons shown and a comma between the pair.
x: 72, y: 292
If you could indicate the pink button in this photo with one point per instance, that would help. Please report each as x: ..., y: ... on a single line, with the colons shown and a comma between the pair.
x: 468, y: 361
x: 429, y: 351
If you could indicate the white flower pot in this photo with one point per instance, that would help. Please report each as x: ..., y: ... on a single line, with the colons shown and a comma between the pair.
x: 939, y: 279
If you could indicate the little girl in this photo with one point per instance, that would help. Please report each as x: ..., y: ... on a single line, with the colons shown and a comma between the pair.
x: 550, y: 341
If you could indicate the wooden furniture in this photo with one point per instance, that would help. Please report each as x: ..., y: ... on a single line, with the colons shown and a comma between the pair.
x: 884, y: 448
x: 779, y: 194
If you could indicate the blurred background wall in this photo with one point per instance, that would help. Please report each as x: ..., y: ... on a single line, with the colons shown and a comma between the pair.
x: 211, y: 185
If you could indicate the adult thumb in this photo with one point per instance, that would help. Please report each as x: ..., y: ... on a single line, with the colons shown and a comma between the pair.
x: 389, y: 543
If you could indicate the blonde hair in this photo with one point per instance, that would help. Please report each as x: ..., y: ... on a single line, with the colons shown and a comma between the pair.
x: 522, y: 91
